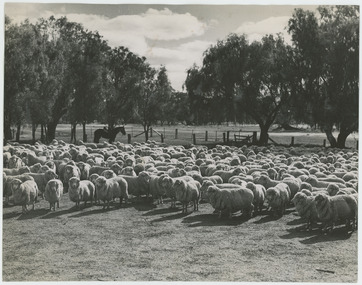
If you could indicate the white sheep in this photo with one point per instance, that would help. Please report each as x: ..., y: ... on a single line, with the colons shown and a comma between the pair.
x: 186, y: 192
x: 108, y: 189
x: 24, y: 193
x: 42, y: 179
x: 7, y: 192
x: 35, y: 168
x: 330, y: 210
x: 156, y: 189
x: 108, y: 174
x: 321, y: 184
x: 15, y: 162
x: 277, y: 198
x: 306, y: 208
x: 53, y: 192
x: 84, y: 169
x: 231, y: 200
x: 128, y: 170
x: 138, y: 185
x: 259, y: 195
x: 81, y: 190
x: 69, y: 172
x: 227, y: 174
x: 16, y: 171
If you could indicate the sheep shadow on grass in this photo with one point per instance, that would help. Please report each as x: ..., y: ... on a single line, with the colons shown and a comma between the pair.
x: 160, y: 211
x: 340, y: 233
x: 33, y: 214
x: 214, y: 220
x: 171, y: 217
x: 57, y: 212
x: 83, y: 213
x: 11, y: 215
x: 300, y: 232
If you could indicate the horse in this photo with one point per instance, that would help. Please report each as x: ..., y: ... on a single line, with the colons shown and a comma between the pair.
x: 108, y: 134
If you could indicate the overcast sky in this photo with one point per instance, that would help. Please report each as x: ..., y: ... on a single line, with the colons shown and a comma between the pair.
x: 171, y: 35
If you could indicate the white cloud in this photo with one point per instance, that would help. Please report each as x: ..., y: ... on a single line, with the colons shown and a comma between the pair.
x: 272, y: 25
x: 177, y: 60
x: 134, y: 31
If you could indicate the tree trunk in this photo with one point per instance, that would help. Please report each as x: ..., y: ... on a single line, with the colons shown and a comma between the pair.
x: 33, y: 129
x: 50, y: 135
x: 73, y: 133
x: 84, y: 133
x: 330, y: 137
x: 341, y: 139
x: 18, y: 129
x: 7, y: 131
x: 42, y: 137
x: 263, y: 138
x: 146, y: 128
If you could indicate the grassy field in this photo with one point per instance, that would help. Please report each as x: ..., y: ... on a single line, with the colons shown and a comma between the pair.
x: 184, y: 134
x: 144, y: 242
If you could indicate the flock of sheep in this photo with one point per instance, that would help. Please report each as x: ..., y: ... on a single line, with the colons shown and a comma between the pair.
x: 322, y: 185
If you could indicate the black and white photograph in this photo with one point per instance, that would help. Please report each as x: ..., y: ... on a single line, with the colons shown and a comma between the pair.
x: 188, y: 141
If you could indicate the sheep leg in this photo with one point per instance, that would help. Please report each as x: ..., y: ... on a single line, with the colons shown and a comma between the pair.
x: 57, y: 204
x: 85, y: 204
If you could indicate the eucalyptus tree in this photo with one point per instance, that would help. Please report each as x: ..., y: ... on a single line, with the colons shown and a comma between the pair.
x: 255, y: 79
x: 87, y: 65
x: 121, y: 83
x: 327, y: 52
x: 20, y: 77
x: 60, y: 40
x: 151, y: 91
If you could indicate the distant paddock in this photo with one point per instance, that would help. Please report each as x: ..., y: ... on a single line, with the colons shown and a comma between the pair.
x: 205, y: 134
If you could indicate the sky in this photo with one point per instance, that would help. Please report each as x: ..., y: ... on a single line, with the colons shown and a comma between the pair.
x: 174, y: 36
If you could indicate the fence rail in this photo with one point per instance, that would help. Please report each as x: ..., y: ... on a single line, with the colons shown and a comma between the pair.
x: 195, y: 135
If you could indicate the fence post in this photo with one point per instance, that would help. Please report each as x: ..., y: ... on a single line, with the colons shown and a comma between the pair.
x: 254, y: 137
x: 164, y: 132
x: 227, y: 136
x: 194, y: 139
x: 151, y: 134
x: 235, y: 137
x: 129, y: 138
x: 176, y: 133
x: 292, y: 141
x: 324, y: 142
x: 161, y: 138
x: 357, y: 145
x: 206, y: 136
x: 216, y: 136
x: 223, y: 137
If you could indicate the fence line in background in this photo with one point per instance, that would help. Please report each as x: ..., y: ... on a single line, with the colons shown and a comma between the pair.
x: 194, y: 136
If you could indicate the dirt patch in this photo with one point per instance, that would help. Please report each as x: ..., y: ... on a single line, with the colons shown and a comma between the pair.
x: 144, y: 242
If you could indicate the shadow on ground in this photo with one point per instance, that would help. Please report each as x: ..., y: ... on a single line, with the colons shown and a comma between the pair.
x: 214, y: 220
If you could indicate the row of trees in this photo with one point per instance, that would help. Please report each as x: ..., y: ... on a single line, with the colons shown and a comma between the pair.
x: 55, y: 71
x: 315, y: 81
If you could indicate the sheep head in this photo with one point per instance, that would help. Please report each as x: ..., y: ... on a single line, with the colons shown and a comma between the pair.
x: 100, y: 182
x: 144, y: 176
x: 108, y: 174
x: 74, y: 183
x: 93, y: 177
x: 50, y: 174
x: 15, y: 185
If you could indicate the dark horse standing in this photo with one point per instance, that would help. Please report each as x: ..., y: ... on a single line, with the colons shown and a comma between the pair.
x: 108, y: 134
